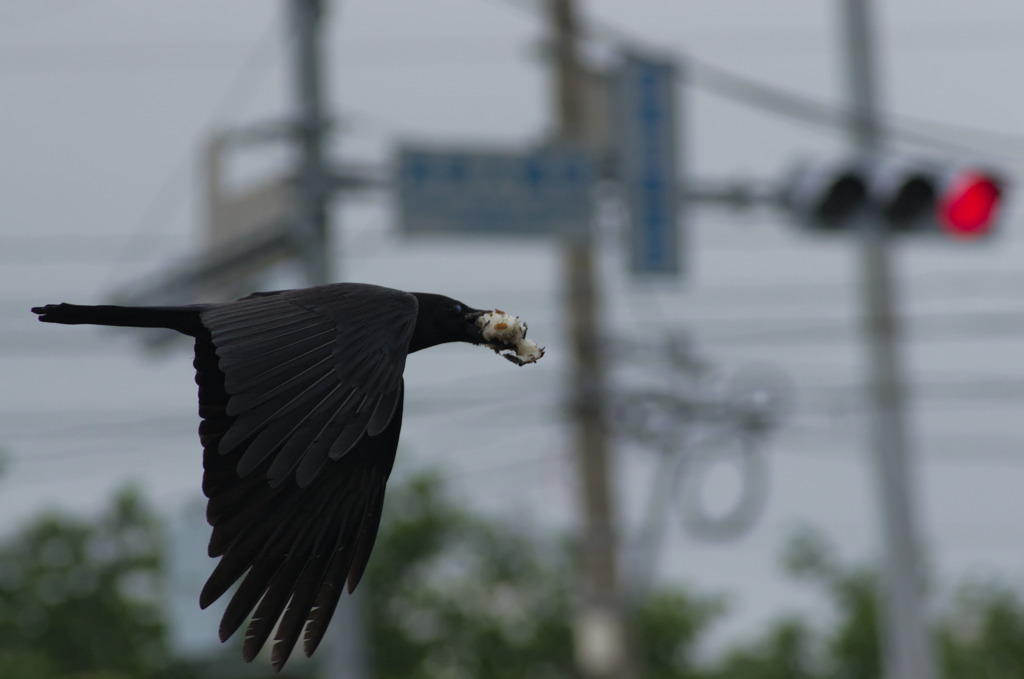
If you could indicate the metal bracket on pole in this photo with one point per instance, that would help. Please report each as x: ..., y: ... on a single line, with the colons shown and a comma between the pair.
x: 261, y: 248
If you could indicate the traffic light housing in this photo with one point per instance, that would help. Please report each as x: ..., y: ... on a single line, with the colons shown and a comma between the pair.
x: 956, y: 202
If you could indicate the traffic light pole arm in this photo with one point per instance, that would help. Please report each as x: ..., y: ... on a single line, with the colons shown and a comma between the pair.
x: 737, y: 195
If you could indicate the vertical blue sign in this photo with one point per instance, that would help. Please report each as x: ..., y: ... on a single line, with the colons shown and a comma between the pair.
x: 648, y: 157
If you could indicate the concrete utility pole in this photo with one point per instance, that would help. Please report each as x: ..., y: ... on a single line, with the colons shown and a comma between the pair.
x: 347, y: 656
x: 250, y: 234
x: 905, y: 642
x: 312, y: 191
x: 601, y: 647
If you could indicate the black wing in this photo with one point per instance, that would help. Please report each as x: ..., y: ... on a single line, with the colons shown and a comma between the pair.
x: 300, y: 394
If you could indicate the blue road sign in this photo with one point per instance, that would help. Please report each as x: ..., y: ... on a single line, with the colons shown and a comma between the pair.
x: 472, y: 191
x: 646, y: 121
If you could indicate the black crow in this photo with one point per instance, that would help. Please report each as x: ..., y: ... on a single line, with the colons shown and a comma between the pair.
x: 300, y: 396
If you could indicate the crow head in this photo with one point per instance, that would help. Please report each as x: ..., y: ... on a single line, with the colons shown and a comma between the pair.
x: 442, y: 319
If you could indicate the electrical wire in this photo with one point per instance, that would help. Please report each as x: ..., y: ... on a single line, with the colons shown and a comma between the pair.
x: 806, y: 109
x: 242, y: 87
x: 814, y: 333
x: 969, y: 454
x: 825, y: 114
x: 157, y: 425
x: 114, y: 57
x: 484, y: 418
x: 79, y: 249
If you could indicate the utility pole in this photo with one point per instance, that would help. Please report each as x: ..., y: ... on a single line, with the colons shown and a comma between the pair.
x: 311, y: 196
x: 347, y: 657
x: 258, y: 239
x: 904, y: 637
x: 601, y: 648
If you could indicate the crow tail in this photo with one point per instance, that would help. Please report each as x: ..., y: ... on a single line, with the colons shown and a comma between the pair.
x: 184, y: 319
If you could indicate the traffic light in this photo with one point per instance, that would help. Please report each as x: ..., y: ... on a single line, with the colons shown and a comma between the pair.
x: 906, y: 197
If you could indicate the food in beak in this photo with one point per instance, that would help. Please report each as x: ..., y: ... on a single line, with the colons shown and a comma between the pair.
x: 506, y: 335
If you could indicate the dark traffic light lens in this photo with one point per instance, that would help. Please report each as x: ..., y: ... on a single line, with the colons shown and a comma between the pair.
x: 967, y: 209
x: 913, y: 199
x: 844, y: 197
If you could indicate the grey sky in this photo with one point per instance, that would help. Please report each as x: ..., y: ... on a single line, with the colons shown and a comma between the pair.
x: 105, y: 104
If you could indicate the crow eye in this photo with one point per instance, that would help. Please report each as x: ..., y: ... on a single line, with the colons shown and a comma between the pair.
x: 457, y: 308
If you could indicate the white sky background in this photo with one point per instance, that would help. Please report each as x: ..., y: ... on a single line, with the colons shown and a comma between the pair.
x: 103, y: 110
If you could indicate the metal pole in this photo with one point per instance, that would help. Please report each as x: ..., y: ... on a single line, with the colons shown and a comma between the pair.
x: 601, y: 647
x: 904, y: 638
x: 311, y: 214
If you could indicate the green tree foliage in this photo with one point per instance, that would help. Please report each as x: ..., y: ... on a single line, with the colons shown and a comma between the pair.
x: 982, y: 635
x: 786, y: 651
x: 978, y: 636
x: 851, y: 648
x: 451, y: 595
x: 667, y: 628
x: 79, y: 598
x: 454, y: 595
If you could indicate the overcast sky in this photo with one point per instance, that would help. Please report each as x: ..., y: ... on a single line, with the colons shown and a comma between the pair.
x: 106, y: 104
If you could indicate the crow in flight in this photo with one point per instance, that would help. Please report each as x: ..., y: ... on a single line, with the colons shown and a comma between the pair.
x: 300, y: 395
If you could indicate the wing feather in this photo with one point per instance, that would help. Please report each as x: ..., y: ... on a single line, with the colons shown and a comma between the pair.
x: 301, y: 400
x: 308, y: 439
x: 241, y: 362
x: 277, y: 415
x: 267, y: 389
x: 257, y: 328
x: 272, y: 370
x: 288, y: 439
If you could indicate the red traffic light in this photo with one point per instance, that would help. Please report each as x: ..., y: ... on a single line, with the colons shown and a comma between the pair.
x: 967, y: 209
x: 946, y: 199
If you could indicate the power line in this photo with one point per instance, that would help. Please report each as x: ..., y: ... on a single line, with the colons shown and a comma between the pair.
x: 107, y: 57
x: 746, y: 334
x: 809, y: 110
x: 161, y: 424
x: 434, y: 400
x: 761, y: 293
x: 773, y: 99
x: 242, y: 87
x: 970, y: 453
x: 931, y: 329
x: 85, y: 249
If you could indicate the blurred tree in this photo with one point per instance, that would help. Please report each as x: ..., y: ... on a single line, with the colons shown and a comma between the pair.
x: 80, y: 598
x: 851, y: 648
x: 450, y: 594
x: 668, y: 626
x: 453, y: 595
x: 786, y: 651
x: 980, y: 636
x: 845, y: 648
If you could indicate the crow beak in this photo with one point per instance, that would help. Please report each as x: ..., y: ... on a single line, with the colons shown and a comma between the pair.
x: 476, y: 333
